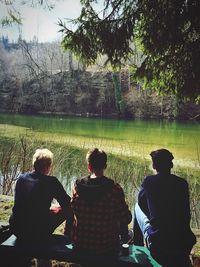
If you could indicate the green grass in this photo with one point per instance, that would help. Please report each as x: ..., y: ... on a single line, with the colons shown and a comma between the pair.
x: 69, y: 162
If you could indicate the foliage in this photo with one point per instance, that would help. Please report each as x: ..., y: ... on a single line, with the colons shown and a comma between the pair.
x: 93, y: 35
x: 166, y: 32
x: 119, y: 99
x: 13, y: 160
x: 118, y: 92
x: 12, y: 14
x: 37, y: 77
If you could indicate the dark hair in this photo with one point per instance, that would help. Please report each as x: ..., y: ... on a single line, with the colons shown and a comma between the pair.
x: 162, y: 159
x: 97, y: 159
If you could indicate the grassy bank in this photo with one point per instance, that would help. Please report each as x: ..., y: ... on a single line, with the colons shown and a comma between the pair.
x: 69, y: 161
x: 17, y: 148
x: 17, y: 145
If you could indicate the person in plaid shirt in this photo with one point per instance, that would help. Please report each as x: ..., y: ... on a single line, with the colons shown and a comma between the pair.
x: 100, y: 212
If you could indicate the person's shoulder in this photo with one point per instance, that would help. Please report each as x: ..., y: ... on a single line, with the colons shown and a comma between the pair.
x: 179, y: 180
x: 51, y: 179
x: 116, y: 187
x: 110, y: 181
x: 82, y: 180
x: 23, y: 176
x: 149, y: 179
x: 53, y: 182
x: 151, y: 182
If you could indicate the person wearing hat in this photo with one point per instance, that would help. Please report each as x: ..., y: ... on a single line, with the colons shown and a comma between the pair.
x: 162, y: 214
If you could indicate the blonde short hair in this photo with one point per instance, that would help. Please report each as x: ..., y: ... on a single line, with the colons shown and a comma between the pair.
x: 42, y: 158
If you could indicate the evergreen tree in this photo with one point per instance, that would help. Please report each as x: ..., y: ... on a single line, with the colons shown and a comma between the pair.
x: 167, y: 32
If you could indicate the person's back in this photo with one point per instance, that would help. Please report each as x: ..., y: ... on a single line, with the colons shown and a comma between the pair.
x: 167, y: 207
x: 32, y: 217
x: 163, y: 213
x: 100, y: 208
x: 97, y: 203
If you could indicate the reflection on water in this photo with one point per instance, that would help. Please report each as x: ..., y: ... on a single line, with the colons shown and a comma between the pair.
x: 128, y: 138
x: 135, y: 137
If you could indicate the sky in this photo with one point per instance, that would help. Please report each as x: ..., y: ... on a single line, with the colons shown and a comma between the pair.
x: 41, y: 22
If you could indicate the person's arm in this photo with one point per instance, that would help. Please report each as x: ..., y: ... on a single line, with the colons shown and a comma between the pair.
x: 142, y: 201
x: 21, y: 194
x: 123, y: 213
x: 64, y: 200
x: 187, y: 204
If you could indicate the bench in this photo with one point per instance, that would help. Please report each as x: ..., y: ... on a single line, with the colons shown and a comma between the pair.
x: 57, y: 249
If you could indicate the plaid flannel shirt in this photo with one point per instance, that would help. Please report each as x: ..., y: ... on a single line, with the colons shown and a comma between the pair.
x: 96, y: 227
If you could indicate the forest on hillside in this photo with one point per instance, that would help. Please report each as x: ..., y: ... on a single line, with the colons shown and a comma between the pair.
x: 41, y: 78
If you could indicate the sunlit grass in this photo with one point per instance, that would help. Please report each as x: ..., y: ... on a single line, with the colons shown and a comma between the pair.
x: 128, y: 148
x: 124, y: 166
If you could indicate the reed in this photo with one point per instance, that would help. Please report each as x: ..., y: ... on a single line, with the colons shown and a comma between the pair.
x: 69, y: 163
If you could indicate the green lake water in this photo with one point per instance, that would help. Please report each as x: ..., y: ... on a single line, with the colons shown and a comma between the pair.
x: 125, y: 139
x: 136, y: 137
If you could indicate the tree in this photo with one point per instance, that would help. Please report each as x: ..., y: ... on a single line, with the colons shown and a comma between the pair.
x: 119, y: 101
x: 167, y: 33
x: 11, y: 12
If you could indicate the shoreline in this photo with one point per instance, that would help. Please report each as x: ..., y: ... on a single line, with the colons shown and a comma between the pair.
x: 104, y: 116
x: 112, y: 146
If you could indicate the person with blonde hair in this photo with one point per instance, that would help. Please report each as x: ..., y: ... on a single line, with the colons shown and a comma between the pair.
x: 32, y: 217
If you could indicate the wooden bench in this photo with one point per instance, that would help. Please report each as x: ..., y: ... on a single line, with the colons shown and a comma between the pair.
x: 57, y: 248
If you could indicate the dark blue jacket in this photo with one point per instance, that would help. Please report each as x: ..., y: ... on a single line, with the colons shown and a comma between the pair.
x: 164, y: 198
x: 34, y: 193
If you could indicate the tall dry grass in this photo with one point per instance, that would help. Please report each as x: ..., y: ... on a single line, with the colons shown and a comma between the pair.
x: 69, y: 164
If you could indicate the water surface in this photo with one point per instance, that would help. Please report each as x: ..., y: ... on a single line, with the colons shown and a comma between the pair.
x: 136, y: 137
